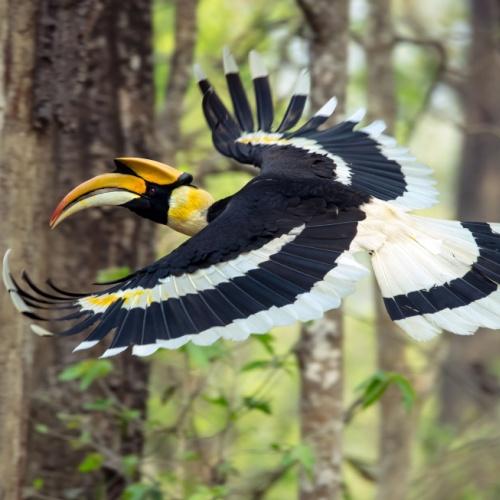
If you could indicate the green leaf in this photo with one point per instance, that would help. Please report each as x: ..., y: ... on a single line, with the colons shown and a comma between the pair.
x: 276, y: 447
x: 130, y: 414
x: 97, y: 368
x: 99, y: 405
x: 141, y: 491
x: 41, y: 429
x: 375, y: 386
x: 203, y: 492
x: 301, y: 454
x: 218, y: 401
x: 72, y: 372
x: 112, y: 274
x: 130, y: 464
x: 91, y: 462
x: 202, y: 356
x: 87, y: 372
x: 257, y: 404
x: 406, y: 389
x: 38, y: 484
x: 267, y: 341
x: 258, y: 364
x: 374, y: 391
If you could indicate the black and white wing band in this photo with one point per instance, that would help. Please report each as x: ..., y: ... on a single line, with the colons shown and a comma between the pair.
x: 366, y: 159
x: 441, y: 275
x: 289, y: 267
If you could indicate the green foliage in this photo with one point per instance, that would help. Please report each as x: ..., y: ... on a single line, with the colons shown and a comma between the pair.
x: 301, y: 454
x: 258, y: 364
x: 41, y: 429
x: 141, y: 491
x: 112, y: 274
x: 91, y: 462
x: 130, y: 465
x: 87, y: 372
x: 38, y: 483
x: 267, y: 342
x: 209, y: 493
x: 252, y: 403
x: 99, y: 405
x: 202, y: 356
x: 375, y: 386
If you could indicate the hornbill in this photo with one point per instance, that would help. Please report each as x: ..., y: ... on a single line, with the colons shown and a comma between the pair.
x: 282, y: 248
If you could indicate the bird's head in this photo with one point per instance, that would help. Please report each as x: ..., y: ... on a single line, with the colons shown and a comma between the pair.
x: 149, y: 188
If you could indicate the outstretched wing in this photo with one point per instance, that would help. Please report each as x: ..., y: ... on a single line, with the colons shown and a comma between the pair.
x: 276, y: 255
x: 365, y: 159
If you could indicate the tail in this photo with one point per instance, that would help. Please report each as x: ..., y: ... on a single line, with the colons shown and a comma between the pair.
x: 439, y: 275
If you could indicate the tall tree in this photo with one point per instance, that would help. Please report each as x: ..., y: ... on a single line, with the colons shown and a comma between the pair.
x: 181, y: 64
x: 22, y: 154
x: 320, y: 347
x: 395, y: 423
x: 92, y: 100
x: 467, y: 377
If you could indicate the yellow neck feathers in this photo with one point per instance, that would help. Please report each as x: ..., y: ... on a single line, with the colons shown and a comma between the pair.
x: 188, y: 209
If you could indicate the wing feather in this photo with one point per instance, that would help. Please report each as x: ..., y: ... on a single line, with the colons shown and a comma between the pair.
x: 365, y: 159
x: 287, y: 261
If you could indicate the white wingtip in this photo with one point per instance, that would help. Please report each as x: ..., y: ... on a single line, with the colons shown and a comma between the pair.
x: 328, y: 108
x: 174, y: 343
x: 7, y: 280
x: 303, y: 84
x: 15, y: 297
x: 145, y: 350
x: 495, y: 227
x: 257, y: 67
x: 358, y: 116
x: 112, y: 352
x: 86, y: 344
x: 19, y: 303
x: 41, y: 332
x: 228, y: 61
x: 375, y: 128
x: 199, y: 74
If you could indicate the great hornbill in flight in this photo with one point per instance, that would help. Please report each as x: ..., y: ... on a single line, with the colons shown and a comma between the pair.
x: 282, y: 248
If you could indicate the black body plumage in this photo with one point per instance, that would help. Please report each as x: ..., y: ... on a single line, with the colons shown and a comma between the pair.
x: 281, y: 249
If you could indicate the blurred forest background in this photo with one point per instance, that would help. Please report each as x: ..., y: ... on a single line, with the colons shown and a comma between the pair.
x: 381, y: 416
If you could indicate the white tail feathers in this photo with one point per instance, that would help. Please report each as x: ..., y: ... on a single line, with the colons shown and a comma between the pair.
x: 434, y: 275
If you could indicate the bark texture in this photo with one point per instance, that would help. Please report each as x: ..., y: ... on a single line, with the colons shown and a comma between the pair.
x: 92, y: 101
x: 469, y: 386
x: 21, y: 182
x: 320, y: 348
x: 328, y: 28
x: 181, y: 64
x: 395, y: 425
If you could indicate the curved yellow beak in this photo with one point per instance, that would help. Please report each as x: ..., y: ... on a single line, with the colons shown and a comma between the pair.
x: 128, y: 183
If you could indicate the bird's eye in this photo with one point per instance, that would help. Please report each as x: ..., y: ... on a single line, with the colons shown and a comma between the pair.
x: 152, y: 189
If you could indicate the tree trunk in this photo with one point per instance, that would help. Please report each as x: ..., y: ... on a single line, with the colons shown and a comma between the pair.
x: 320, y: 348
x: 22, y: 155
x: 468, y: 384
x: 93, y: 100
x: 181, y: 64
x: 395, y: 424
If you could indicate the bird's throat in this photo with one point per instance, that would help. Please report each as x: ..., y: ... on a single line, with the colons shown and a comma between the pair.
x: 188, y: 209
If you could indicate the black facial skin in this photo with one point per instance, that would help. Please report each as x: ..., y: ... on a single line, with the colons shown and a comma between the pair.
x: 154, y: 203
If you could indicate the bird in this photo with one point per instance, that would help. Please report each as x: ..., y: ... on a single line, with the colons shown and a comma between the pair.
x: 284, y: 247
